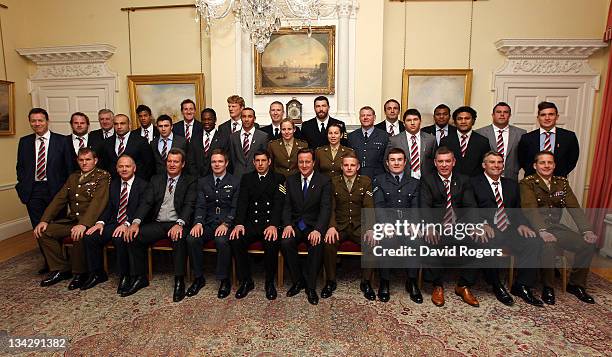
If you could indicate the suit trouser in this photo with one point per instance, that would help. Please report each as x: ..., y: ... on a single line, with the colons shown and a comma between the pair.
x: 51, y: 244
x: 572, y: 241
x: 410, y: 264
x: 240, y: 248
x: 435, y: 275
x: 527, y: 253
x: 224, y: 252
x: 39, y: 200
x: 94, y: 246
x: 330, y: 252
x: 289, y: 247
x: 149, y: 234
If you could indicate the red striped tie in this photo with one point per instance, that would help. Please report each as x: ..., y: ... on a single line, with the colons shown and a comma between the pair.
x: 245, y: 144
x: 500, y: 143
x: 164, y: 153
x: 547, y: 144
x: 415, y: 163
x: 187, y: 133
x: 123, y: 201
x: 207, y: 143
x: 391, y: 130
x: 464, y: 144
x: 501, y: 218
x: 171, y: 184
x: 442, y: 133
x: 41, y: 161
x: 121, y: 148
x: 448, y: 215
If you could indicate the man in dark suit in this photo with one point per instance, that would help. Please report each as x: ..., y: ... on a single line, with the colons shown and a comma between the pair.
x: 277, y: 114
x: 417, y: 144
x: 246, y: 142
x: 500, y: 203
x: 214, y: 216
x: 164, y: 141
x: 391, y: 124
x: 561, y: 142
x: 79, y: 123
x: 305, y: 217
x: 235, y: 104
x: 441, y: 128
x: 43, y: 165
x: 147, y: 130
x: 201, y: 147
x: 169, y: 202
x: 369, y: 144
x: 189, y: 127
x: 125, y: 195
x: 123, y: 142
x: 260, y: 207
x: 96, y: 137
x: 468, y: 146
x: 314, y: 130
x: 449, y: 194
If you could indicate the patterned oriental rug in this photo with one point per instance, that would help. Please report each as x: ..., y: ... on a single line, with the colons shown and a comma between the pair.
x: 97, y: 322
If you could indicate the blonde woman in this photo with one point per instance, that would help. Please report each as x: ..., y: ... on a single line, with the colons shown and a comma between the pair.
x: 284, y: 150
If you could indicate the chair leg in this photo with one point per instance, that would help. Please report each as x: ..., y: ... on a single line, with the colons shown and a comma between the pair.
x: 420, y: 278
x: 105, y: 259
x: 187, y: 269
x: 234, y: 279
x: 564, y: 271
x: 281, y: 270
x: 511, y: 272
x: 150, y: 263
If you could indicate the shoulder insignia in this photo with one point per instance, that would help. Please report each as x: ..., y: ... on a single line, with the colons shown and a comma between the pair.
x: 375, y: 189
x: 282, y: 189
x: 369, y: 193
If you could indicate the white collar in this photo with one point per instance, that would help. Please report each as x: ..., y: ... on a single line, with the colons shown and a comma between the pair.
x: 553, y: 130
x: 130, y: 181
x: 46, y: 135
x: 491, y: 180
x: 450, y: 178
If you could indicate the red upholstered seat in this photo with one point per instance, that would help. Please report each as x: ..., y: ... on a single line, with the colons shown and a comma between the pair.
x: 257, y: 245
x: 348, y: 246
x: 163, y: 243
x: 67, y: 240
x: 302, y: 247
x: 210, y: 244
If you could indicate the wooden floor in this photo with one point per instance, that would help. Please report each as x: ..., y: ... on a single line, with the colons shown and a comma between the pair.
x: 25, y: 242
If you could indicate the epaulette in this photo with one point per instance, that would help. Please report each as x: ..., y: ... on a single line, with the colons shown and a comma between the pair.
x: 560, y: 178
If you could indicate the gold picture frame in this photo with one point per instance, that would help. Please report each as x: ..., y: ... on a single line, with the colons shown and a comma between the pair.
x: 163, y: 93
x: 424, y: 89
x: 7, y: 108
x: 295, y: 63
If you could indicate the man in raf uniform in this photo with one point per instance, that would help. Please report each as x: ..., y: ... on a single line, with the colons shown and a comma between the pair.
x: 260, y: 206
x: 369, y: 144
x: 86, y: 193
x: 544, y: 196
x: 350, y: 193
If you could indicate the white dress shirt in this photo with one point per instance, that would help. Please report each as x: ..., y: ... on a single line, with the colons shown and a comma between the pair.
x: 47, y: 138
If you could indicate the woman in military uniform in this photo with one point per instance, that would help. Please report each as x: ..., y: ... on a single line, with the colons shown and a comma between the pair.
x: 329, y: 157
x: 284, y: 150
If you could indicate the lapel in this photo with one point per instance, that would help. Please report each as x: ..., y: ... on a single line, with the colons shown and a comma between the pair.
x: 283, y: 151
x: 485, y: 183
x: 513, y: 138
x: 133, y: 192
x: 52, y: 149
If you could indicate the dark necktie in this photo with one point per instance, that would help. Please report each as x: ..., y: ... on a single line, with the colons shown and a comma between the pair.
x: 41, y: 161
x: 275, y: 132
x: 301, y: 224
x: 397, y: 178
x: 217, y: 182
x: 171, y: 184
x: 322, y: 128
x: 164, y: 153
x: 121, y: 148
x: 365, y: 135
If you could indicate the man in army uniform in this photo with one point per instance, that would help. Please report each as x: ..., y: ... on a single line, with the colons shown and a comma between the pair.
x: 86, y: 193
x: 396, y: 189
x: 544, y: 196
x: 350, y: 193
x: 260, y: 205
x: 284, y: 151
x: 214, y: 215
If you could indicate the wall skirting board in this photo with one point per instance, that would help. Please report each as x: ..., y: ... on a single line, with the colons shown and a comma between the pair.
x: 14, y: 227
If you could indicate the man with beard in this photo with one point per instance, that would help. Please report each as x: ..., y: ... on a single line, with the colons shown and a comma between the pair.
x: 314, y: 130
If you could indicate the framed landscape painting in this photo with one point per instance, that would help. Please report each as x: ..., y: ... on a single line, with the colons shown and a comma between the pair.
x: 7, y: 108
x: 295, y: 63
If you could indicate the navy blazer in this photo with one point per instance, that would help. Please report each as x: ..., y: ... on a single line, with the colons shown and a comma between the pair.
x: 178, y: 128
x: 58, y: 165
x: 198, y: 163
x: 311, y: 132
x: 95, y: 140
x: 137, y: 148
x: 137, y: 193
x: 431, y: 129
x: 316, y: 210
x: 471, y: 164
x: 566, y: 151
x: 485, y: 198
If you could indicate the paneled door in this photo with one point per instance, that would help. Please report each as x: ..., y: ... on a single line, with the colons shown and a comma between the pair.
x: 62, y: 102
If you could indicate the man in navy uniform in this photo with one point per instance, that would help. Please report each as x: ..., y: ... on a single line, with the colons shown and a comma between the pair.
x: 369, y: 144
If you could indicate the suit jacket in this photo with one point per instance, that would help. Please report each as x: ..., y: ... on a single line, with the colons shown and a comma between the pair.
x: 58, y: 165
x: 260, y: 202
x: 371, y: 153
x: 426, y: 155
x: 511, y: 160
x: 178, y: 128
x: 433, y: 195
x: 283, y: 163
x: 471, y: 164
x: 95, y: 140
x: 566, y: 151
x: 311, y: 132
x: 137, y: 193
x: 160, y: 164
x: 226, y: 128
x: 485, y: 198
x: 431, y: 129
x: 198, y: 162
x: 315, y: 210
x: 155, y: 132
x: 184, y: 198
x: 74, y: 164
x: 327, y: 165
x: 137, y: 148
x: 383, y: 126
x: 241, y: 164
x: 216, y: 205
x: 269, y: 129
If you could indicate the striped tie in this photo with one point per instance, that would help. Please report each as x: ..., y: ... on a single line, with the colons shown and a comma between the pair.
x: 501, y: 218
x: 463, y: 144
x: 146, y: 134
x: 171, y: 184
x: 164, y: 153
x: 415, y: 163
x: 207, y: 143
x: 121, y: 148
x: 41, y: 161
x: 234, y: 124
x: 547, y: 144
x: 106, y: 134
x: 123, y: 202
x: 442, y: 133
x: 245, y: 144
x: 448, y: 214
x: 391, y: 130
x: 81, y: 142
x: 187, y: 133
x: 500, y: 143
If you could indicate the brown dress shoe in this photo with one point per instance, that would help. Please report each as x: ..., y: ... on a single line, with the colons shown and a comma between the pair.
x: 466, y: 295
x: 437, y: 297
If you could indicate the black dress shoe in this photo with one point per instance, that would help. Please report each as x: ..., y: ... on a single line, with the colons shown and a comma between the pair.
x: 296, y: 288
x: 124, y: 284
x: 328, y: 289
x: 244, y: 288
x: 137, y: 284
x: 580, y: 293
x: 55, y: 277
x: 313, y: 298
x: 43, y: 270
x: 77, y: 281
x: 94, y: 279
x: 383, y: 290
x: 198, y: 283
x: 413, y: 291
x: 367, y: 290
x: 502, y: 295
x: 224, y: 289
x: 179, y: 289
x: 548, y: 295
x: 270, y: 290
x: 524, y: 293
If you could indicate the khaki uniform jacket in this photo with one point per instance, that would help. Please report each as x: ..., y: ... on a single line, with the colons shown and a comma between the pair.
x: 284, y: 164
x: 86, y: 199
x: 328, y: 166
x: 346, y: 206
x: 535, y: 194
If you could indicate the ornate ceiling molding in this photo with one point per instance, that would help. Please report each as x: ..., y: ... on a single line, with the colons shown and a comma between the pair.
x: 68, y: 54
x: 549, y: 48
